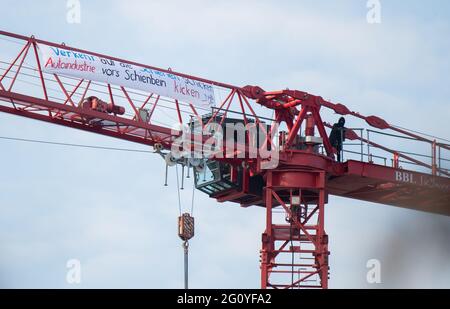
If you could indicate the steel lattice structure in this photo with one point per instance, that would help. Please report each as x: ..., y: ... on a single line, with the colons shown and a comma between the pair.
x: 299, y: 185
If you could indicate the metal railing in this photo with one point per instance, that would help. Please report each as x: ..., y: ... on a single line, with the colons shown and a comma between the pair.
x: 436, y: 159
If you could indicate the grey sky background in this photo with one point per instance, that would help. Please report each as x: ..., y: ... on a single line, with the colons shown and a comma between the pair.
x: 110, y: 209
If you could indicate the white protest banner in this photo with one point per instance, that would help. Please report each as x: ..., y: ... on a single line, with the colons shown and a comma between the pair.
x: 61, y: 61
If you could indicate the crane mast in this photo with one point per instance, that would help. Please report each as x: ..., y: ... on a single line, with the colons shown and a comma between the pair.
x: 295, y: 176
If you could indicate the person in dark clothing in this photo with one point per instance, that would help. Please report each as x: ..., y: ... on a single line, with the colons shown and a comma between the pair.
x: 337, y: 136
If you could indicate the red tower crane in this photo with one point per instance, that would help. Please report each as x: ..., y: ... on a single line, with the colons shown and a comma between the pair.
x: 298, y: 186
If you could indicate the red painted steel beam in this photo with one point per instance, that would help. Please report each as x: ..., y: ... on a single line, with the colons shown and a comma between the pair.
x: 17, y: 97
x: 75, y: 125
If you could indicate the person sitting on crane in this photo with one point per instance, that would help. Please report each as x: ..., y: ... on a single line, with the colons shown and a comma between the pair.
x: 337, y: 136
x: 98, y: 105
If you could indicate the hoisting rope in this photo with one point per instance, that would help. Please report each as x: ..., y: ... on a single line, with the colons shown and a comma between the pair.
x: 192, y: 201
x: 185, y: 229
x: 178, y: 190
x: 186, y: 264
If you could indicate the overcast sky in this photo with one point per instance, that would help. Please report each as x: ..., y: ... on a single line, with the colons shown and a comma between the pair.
x: 111, y: 211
